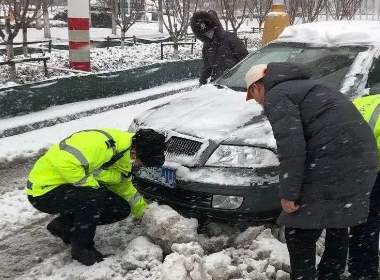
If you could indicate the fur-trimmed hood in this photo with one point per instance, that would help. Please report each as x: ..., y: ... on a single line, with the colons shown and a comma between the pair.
x: 211, y: 19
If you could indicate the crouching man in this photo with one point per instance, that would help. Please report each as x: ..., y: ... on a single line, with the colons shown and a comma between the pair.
x: 87, y: 180
x: 328, y: 164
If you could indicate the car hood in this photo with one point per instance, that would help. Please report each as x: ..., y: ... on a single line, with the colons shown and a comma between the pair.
x: 209, y: 113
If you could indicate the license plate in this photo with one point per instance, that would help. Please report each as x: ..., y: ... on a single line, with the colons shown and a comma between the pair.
x: 163, y: 176
x: 168, y: 177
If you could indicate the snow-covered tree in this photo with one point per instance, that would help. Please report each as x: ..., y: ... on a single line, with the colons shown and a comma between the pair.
x: 343, y: 9
x: 311, y: 9
x: 47, y: 32
x: 293, y: 9
x: 234, y: 12
x: 20, y: 13
x: 176, y: 18
x: 259, y: 9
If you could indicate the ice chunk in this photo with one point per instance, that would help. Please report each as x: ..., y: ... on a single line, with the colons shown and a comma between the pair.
x: 188, y: 249
x: 219, y: 266
x: 282, y: 275
x: 166, y: 227
x: 214, y: 244
x: 247, y: 237
x: 180, y: 267
x: 141, y: 253
x: 266, y: 246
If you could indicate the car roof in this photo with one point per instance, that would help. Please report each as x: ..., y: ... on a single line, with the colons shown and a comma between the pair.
x: 334, y: 33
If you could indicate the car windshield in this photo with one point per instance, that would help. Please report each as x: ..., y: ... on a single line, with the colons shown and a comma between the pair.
x: 328, y: 64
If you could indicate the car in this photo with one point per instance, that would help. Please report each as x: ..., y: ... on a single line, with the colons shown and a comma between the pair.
x: 221, y: 160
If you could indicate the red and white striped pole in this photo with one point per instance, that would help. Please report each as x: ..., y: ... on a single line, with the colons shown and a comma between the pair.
x: 79, y: 34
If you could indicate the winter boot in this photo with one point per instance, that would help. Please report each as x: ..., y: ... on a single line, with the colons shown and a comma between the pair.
x: 86, y: 255
x: 59, y: 229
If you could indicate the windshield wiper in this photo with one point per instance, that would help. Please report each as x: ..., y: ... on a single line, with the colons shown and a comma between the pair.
x: 240, y: 89
x: 220, y: 86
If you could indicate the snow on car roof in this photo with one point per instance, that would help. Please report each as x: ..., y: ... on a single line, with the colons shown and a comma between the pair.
x: 334, y: 33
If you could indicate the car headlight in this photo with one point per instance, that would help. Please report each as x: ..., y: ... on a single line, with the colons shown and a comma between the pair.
x: 133, y: 127
x: 226, y: 202
x: 242, y: 156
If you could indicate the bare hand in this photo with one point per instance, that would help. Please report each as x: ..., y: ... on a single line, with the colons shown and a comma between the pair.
x: 289, y: 206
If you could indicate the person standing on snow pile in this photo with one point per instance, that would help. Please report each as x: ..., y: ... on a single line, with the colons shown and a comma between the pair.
x: 87, y: 180
x: 328, y: 164
x: 221, y: 50
x: 363, y: 261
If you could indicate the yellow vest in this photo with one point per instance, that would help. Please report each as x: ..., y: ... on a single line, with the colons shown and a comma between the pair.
x: 369, y: 107
x: 78, y: 160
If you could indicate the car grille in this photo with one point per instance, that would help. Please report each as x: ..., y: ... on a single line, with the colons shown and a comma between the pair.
x: 177, y: 146
x: 176, y: 196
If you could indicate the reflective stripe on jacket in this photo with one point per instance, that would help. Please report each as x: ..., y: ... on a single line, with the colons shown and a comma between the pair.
x: 369, y: 107
x: 78, y: 160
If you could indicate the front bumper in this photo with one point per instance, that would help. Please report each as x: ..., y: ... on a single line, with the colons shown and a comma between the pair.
x: 193, y: 198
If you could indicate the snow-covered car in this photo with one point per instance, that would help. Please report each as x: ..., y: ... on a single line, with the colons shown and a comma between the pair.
x: 221, y: 153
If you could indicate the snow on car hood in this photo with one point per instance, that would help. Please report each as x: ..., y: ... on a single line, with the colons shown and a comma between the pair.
x: 212, y: 114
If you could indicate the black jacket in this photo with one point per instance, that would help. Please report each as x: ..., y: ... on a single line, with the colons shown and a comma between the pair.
x: 328, y: 154
x: 220, y: 53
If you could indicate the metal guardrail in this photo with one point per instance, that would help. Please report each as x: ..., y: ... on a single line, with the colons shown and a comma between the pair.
x: 26, y: 43
x: 176, y: 44
x: 44, y: 59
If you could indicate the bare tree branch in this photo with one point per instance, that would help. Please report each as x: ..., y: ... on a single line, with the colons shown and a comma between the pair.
x: 229, y: 10
x: 259, y: 9
x: 311, y: 9
x: 343, y: 9
x: 293, y: 8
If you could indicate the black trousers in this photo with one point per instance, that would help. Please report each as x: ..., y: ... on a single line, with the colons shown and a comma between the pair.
x: 82, y: 209
x: 302, y: 250
x: 363, y: 258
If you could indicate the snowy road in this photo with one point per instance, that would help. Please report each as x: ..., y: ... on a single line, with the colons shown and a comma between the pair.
x: 140, y: 249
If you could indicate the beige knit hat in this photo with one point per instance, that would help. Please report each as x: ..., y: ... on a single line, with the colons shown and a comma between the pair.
x: 254, y: 74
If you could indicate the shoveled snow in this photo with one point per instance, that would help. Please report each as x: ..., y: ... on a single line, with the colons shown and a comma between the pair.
x: 166, y: 227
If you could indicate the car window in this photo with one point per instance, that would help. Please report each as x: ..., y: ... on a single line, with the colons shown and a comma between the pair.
x: 374, y: 77
x: 328, y: 64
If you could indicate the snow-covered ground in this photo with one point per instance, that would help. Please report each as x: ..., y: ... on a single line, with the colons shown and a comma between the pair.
x: 163, y: 245
x: 28, y: 144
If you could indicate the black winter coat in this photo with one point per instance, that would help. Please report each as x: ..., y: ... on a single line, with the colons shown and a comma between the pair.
x: 327, y: 151
x: 220, y: 53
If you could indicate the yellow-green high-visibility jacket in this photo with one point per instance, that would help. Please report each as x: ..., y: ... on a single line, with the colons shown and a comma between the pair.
x: 369, y: 107
x: 80, y: 160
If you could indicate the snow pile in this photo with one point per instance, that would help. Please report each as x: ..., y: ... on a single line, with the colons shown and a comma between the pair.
x: 186, y: 263
x: 166, y: 227
x: 141, y: 253
x: 253, y: 254
x: 268, y: 247
x: 16, y: 211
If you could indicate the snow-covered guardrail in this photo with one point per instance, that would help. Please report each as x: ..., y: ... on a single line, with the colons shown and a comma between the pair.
x: 21, y: 100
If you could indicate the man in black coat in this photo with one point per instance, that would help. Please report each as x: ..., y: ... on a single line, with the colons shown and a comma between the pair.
x: 221, y: 50
x: 328, y: 164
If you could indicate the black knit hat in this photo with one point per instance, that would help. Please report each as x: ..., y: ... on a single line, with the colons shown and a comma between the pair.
x: 150, y: 147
